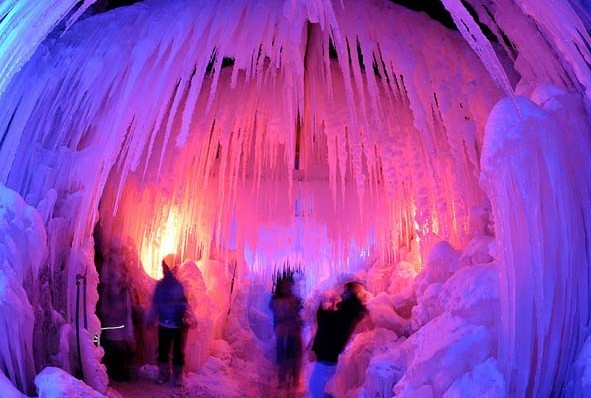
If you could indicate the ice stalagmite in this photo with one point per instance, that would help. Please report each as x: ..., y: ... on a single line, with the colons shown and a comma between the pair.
x: 23, y: 249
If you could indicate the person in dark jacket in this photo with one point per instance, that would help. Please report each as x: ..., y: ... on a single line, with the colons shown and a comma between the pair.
x: 335, y: 325
x: 169, y: 306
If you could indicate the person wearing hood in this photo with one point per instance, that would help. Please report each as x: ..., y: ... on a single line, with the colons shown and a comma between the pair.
x: 169, y: 307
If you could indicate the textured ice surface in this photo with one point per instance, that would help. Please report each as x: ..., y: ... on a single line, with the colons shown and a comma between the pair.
x: 22, y: 251
x: 56, y: 383
x: 132, y: 117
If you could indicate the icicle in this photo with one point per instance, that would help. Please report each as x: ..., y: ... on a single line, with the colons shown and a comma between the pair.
x: 564, y: 28
x: 474, y: 36
x: 18, y: 41
x: 81, y: 7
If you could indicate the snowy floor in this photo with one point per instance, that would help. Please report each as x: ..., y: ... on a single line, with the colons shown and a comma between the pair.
x: 147, y: 388
x: 212, y: 381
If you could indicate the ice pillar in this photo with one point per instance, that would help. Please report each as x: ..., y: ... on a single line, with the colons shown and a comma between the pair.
x: 533, y: 169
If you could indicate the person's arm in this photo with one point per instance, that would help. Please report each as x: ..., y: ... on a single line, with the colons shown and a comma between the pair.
x: 313, y: 344
x: 184, y: 300
x: 153, y: 314
x: 188, y: 318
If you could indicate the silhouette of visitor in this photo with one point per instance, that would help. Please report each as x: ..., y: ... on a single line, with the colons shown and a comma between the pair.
x: 115, y: 311
x: 169, y: 307
x: 335, y: 322
x: 287, y: 323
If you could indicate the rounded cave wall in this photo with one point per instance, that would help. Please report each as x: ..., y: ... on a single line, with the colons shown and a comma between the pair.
x: 438, y: 153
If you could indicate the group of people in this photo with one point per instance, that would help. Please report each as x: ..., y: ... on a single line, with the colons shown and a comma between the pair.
x: 336, y: 318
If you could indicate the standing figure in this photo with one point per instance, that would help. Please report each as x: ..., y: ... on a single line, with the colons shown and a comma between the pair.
x: 169, y: 307
x: 287, y: 323
x: 335, y: 325
x: 115, y: 312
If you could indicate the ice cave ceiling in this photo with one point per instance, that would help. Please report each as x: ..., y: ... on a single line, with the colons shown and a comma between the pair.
x: 167, y: 108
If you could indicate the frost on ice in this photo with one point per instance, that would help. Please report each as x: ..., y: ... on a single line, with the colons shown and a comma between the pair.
x: 447, y: 169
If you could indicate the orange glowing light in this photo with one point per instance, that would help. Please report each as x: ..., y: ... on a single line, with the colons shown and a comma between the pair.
x: 159, y: 243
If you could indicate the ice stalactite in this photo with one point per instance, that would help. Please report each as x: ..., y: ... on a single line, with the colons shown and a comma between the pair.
x: 535, y: 171
x: 546, y: 41
x: 8, y: 389
x: 566, y: 33
x: 228, y: 151
x: 185, y: 98
x: 579, y: 383
x: 18, y: 41
x: 481, y: 45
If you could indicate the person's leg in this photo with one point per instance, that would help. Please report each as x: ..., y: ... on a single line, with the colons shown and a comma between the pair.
x: 290, y: 360
x: 297, y: 360
x: 110, y: 358
x: 125, y: 355
x: 164, y: 343
x: 281, y: 359
x: 321, y: 374
x: 178, y: 355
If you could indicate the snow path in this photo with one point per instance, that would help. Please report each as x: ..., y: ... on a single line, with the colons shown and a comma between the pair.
x: 212, y: 381
x: 147, y: 388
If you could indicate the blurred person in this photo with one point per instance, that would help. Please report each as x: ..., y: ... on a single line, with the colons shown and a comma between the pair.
x: 336, y: 319
x: 115, y: 312
x: 352, y: 308
x: 287, y: 324
x: 170, y: 308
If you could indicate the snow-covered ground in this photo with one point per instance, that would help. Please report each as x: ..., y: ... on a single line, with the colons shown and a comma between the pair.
x: 213, y: 380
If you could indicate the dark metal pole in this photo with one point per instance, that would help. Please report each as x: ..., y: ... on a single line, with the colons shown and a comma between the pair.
x: 78, y: 277
x: 232, y: 286
x: 85, y: 309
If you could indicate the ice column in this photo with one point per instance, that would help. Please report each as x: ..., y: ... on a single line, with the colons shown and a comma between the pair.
x: 538, y: 186
x: 22, y: 251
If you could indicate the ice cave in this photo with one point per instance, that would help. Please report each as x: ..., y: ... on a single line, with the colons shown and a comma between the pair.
x: 431, y: 156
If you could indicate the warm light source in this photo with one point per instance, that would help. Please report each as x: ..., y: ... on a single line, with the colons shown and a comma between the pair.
x: 159, y: 243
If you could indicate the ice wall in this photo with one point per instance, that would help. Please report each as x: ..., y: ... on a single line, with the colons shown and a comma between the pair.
x: 36, y: 304
x: 25, y: 24
x: 535, y: 169
x: 435, y: 338
x: 382, y: 110
x: 23, y: 250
